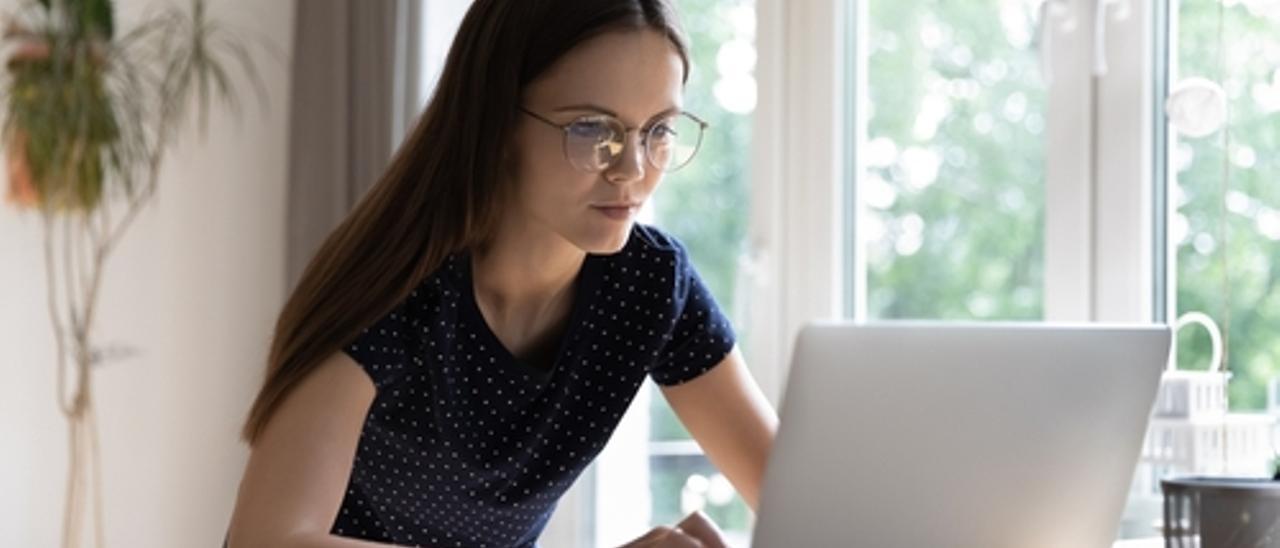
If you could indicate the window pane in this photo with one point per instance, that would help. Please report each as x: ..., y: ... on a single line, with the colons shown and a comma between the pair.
x: 1252, y: 196
x: 952, y: 188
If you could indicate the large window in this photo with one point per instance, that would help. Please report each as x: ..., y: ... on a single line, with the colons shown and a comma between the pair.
x: 952, y: 141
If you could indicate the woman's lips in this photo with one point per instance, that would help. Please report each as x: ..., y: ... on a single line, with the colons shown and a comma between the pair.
x: 617, y: 213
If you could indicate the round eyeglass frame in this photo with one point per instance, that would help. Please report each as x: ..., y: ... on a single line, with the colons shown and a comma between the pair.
x: 644, y: 140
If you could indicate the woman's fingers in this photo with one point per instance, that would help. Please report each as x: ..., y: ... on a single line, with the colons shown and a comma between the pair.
x: 681, y: 539
x: 647, y: 538
x: 665, y: 537
x: 695, y: 531
x: 699, y: 526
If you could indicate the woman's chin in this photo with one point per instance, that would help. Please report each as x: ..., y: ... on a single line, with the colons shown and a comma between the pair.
x: 607, y: 241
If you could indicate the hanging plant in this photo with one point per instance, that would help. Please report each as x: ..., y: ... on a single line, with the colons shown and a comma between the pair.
x: 88, y: 116
x: 61, y: 121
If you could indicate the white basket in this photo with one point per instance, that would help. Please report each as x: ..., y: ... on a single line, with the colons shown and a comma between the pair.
x: 1191, y: 430
x: 1237, y: 444
x: 1191, y: 394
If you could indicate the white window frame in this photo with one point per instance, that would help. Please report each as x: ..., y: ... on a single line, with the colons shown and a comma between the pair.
x: 1099, y: 259
x: 797, y: 192
x: 1125, y: 256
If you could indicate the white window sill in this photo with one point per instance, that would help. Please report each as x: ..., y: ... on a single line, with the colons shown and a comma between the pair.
x: 1154, y: 542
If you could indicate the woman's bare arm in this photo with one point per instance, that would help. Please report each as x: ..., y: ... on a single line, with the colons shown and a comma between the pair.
x: 731, y: 420
x: 298, y: 470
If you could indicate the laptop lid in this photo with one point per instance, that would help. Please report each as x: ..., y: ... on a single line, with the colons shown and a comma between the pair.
x: 902, y: 435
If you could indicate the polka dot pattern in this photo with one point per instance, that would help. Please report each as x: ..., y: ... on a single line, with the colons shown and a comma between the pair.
x: 464, y: 445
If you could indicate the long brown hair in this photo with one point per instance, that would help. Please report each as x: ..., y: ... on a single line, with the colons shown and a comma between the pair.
x: 442, y: 191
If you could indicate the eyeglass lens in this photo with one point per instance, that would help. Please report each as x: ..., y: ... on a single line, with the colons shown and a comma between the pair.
x: 593, y: 143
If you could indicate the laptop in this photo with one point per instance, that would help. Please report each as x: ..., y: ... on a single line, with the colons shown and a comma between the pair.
x: 912, y: 435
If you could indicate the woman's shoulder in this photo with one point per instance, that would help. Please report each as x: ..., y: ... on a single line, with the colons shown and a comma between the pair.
x: 650, y: 254
x: 388, y: 338
x: 649, y: 239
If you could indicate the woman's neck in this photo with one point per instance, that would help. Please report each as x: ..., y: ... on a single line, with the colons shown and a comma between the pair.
x: 525, y: 272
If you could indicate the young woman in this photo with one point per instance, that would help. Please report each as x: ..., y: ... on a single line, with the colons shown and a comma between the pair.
x: 465, y: 342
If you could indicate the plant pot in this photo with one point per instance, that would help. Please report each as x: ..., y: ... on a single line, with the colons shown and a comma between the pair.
x: 22, y: 190
x: 1209, y: 512
x: 39, y: 176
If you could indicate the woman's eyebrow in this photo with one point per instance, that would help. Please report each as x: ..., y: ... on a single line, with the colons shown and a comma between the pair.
x: 597, y: 108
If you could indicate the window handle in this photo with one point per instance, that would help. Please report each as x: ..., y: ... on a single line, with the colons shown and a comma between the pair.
x: 1101, y: 10
x: 1050, y: 11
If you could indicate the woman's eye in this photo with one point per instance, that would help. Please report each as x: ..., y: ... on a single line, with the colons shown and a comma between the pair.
x: 593, y: 131
x: 662, y: 131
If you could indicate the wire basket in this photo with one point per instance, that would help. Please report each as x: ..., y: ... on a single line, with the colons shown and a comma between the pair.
x: 1208, y: 512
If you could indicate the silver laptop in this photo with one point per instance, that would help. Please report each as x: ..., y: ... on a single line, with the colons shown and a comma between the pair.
x: 914, y: 435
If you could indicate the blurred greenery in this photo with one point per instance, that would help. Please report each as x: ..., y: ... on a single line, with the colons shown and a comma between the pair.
x: 705, y: 204
x: 953, y: 191
x: 1245, y: 268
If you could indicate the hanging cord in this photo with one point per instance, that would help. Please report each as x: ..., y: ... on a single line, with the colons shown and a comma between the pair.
x: 1224, y: 184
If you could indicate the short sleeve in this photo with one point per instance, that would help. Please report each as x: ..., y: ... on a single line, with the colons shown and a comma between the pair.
x: 383, y: 348
x: 701, y: 336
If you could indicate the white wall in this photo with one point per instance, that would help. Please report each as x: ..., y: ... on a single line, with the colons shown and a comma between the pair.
x: 196, y: 285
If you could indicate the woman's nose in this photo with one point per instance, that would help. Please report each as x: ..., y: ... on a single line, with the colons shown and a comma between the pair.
x: 630, y: 165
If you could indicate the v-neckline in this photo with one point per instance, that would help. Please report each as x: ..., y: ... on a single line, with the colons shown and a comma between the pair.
x: 581, y: 283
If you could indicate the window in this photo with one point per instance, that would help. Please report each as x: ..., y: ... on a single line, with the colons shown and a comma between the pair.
x: 440, y: 20
x: 959, y: 155
x: 983, y: 164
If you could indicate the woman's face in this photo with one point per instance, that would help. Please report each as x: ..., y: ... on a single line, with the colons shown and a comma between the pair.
x: 635, y: 76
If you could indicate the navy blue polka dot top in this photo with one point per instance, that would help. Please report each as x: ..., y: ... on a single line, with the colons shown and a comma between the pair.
x: 466, y: 446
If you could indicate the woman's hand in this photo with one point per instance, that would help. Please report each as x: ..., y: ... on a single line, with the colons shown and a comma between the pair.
x: 695, y: 531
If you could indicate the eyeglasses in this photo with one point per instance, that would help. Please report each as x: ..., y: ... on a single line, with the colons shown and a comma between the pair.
x: 594, y: 142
